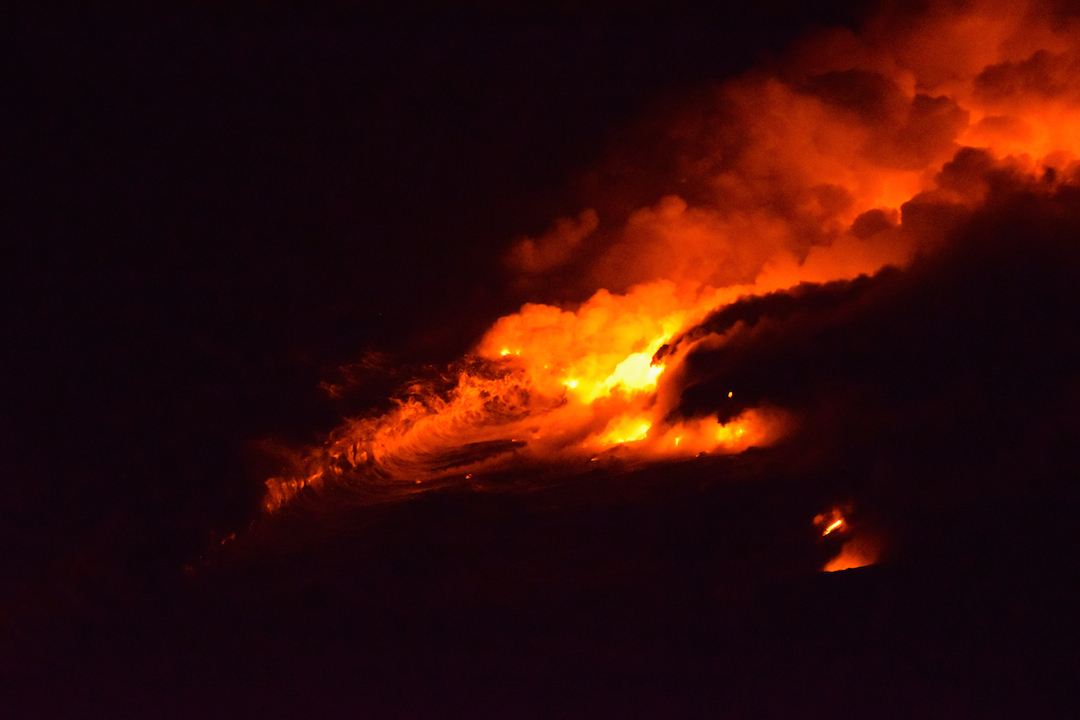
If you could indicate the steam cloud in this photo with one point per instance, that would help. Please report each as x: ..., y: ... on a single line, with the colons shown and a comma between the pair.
x: 866, y: 249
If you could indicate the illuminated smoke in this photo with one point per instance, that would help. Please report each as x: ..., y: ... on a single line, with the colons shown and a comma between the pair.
x: 853, y: 153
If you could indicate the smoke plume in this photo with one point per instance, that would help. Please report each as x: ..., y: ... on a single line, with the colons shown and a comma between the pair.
x: 862, y: 253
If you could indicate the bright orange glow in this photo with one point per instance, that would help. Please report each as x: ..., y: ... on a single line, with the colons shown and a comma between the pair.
x: 855, y: 553
x: 624, y: 430
x: 805, y: 174
x: 830, y: 522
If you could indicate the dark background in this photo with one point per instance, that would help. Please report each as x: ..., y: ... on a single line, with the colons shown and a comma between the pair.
x: 206, y: 213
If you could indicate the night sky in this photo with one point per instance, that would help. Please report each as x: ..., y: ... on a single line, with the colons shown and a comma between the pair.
x: 209, y: 213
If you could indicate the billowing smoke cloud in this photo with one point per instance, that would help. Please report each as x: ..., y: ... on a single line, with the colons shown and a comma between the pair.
x: 924, y: 388
x: 783, y: 160
x: 555, y: 248
x: 996, y: 299
x: 864, y: 252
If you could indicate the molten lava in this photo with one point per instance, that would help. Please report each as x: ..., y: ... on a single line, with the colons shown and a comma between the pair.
x: 830, y: 522
x: 813, y: 170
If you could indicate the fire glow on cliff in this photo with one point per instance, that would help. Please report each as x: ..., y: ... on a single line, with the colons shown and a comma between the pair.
x: 811, y: 170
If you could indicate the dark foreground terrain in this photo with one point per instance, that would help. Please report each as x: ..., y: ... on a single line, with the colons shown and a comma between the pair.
x: 682, y: 592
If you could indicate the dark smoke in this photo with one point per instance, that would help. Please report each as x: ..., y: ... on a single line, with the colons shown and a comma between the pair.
x: 932, y: 389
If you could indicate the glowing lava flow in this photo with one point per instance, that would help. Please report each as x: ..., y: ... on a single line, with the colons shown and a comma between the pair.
x: 544, y: 384
x: 830, y: 522
x: 816, y: 171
